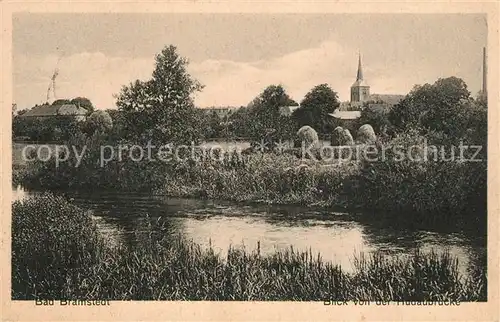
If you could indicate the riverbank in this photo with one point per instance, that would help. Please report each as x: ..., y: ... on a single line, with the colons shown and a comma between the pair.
x: 431, y: 191
x: 58, y: 253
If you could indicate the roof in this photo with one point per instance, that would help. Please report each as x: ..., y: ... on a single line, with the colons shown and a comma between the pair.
x: 55, y: 110
x: 346, y: 115
x: 379, y: 107
x: 391, y: 99
x: 350, y: 106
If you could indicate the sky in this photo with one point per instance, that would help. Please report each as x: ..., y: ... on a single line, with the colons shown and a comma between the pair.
x: 236, y: 56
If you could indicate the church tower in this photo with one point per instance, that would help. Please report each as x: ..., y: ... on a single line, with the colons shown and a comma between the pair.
x: 360, y: 91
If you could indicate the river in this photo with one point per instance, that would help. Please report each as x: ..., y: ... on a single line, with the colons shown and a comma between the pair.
x: 126, y: 219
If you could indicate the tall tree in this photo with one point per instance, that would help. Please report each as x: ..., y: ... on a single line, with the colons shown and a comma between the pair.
x: 214, y: 126
x: 377, y: 117
x: 239, y: 123
x: 162, y: 108
x: 267, y: 123
x: 438, y: 107
x: 315, y: 107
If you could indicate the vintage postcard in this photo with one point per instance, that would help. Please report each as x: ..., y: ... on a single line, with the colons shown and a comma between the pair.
x: 249, y: 161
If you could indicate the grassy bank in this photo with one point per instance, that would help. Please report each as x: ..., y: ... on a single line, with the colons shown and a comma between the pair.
x: 431, y: 190
x: 58, y: 253
x: 267, y: 178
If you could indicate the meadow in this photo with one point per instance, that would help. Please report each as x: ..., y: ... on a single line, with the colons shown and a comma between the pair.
x: 58, y: 253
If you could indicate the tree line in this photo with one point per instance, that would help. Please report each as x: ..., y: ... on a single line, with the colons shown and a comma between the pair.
x: 162, y: 109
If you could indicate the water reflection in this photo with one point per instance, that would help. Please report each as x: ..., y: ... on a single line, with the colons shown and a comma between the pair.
x: 130, y: 219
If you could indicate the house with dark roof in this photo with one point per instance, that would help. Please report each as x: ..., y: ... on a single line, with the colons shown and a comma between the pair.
x: 47, y: 110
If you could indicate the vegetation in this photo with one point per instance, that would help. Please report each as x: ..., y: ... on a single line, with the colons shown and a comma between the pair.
x: 45, y: 129
x: 83, y: 102
x: 98, y: 121
x: 432, y: 188
x: 58, y: 254
x: 161, y: 109
x: 444, y: 107
x: 268, y: 123
x: 315, y: 107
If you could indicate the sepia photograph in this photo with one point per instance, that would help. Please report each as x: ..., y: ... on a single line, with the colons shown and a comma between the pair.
x: 337, y: 158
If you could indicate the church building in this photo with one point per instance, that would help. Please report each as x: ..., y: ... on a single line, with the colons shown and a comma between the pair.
x: 361, y: 98
x: 360, y: 90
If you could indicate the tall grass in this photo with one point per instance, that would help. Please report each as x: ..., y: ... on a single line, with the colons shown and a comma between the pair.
x: 269, y: 178
x: 58, y: 253
x: 432, y: 189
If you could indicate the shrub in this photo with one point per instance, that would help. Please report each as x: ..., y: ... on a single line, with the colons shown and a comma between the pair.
x: 124, y: 174
x: 53, y: 242
x: 99, y: 121
x: 432, y: 188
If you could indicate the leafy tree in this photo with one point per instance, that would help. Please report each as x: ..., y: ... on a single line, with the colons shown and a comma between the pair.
x: 239, y: 123
x: 482, y: 99
x: 315, y: 107
x: 214, y: 126
x: 437, y: 107
x: 377, y: 116
x: 83, y: 102
x: 45, y: 129
x: 161, y: 109
x: 266, y: 121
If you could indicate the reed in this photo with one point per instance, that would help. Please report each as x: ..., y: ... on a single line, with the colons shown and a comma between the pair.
x: 57, y: 253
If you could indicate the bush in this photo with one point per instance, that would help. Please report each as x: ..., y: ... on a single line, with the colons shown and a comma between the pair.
x: 53, y: 243
x: 432, y: 188
x: 99, y: 121
x: 269, y: 178
x: 123, y: 175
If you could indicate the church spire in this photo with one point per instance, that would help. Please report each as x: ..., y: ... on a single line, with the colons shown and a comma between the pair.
x: 359, y: 77
x: 360, y: 90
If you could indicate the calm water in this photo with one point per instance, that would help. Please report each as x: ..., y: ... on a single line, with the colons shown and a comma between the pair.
x: 336, y: 236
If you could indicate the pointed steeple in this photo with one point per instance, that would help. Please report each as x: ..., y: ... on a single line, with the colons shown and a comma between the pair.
x: 359, y: 77
x: 360, y: 90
